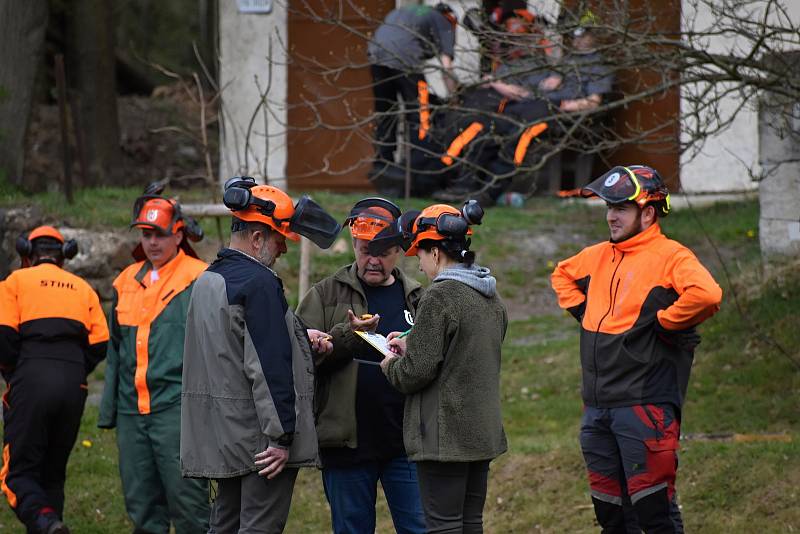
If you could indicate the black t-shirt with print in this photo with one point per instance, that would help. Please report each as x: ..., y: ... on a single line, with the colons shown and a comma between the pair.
x: 379, y: 407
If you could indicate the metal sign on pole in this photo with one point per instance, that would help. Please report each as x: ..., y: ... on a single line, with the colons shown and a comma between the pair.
x: 254, y: 6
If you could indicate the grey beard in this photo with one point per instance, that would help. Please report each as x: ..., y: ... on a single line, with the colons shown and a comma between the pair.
x: 265, y: 257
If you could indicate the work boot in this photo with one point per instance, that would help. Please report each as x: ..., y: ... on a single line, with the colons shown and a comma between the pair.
x: 49, y: 523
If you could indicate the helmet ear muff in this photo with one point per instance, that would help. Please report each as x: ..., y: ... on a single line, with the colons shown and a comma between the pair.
x: 69, y: 249
x: 238, y: 197
x: 451, y: 225
x: 23, y: 246
x: 472, y: 212
x: 192, y: 229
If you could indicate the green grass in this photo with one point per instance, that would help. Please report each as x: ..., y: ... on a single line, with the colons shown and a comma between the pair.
x: 740, y: 382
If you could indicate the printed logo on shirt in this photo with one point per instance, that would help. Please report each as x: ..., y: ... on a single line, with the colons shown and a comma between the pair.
x: 409, y: 318
x: 57, y: 283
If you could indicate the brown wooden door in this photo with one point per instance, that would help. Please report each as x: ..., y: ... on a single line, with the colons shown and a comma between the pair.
x: 660, y: 115
x: 329, y: 94
x: 652, y: 125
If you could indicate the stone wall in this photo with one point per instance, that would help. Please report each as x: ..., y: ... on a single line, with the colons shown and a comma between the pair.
x: 101, y: 254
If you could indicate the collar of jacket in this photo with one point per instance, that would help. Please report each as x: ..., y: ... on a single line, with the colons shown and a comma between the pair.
x: 640, y: 241
x: 349, y: 275
x: 236, y: 253
x: 164, y: 271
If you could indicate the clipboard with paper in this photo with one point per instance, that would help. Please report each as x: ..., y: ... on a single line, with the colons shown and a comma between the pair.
x: 377, y: 341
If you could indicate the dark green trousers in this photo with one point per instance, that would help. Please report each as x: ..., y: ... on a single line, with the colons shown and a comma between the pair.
x: 149, y: 464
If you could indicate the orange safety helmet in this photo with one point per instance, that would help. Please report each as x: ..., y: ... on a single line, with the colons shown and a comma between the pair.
x: 158, y: 213
x: 371, y: 215
x: 260, y: 203
x: 151, y: 210
x: 271, y: 206
x: 45, y: 231
x: 440, y: 222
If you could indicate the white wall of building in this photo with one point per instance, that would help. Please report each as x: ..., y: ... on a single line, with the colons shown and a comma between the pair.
x: 246, y: 73
x: 727, y: 159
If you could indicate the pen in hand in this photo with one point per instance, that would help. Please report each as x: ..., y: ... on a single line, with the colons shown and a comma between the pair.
x: 404, y: 334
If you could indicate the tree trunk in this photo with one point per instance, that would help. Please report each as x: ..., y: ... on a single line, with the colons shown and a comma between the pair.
x: 22, y: 32
x: 90, y: 71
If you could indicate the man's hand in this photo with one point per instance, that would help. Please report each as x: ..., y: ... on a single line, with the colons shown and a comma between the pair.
x: 581, y: 104
x: 550, y: 83
x: 320, y: 341
x: 386, y: 360
x: 450, y: 80
x: 273, y: 459
x: 396, y: 343
x: 514, y: 92
x: 686, y: 340
x: 365, y: 323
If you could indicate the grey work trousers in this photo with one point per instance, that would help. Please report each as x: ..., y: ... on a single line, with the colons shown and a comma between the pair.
x: 252, y: 504
x: 453, y: 495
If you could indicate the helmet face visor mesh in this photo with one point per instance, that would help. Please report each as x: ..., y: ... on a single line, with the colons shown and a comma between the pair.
x: 616, y: 186
x: 312, y: 221
x: 397, y: 234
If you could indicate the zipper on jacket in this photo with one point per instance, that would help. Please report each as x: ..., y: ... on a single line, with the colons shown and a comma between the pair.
x: 612, y: 296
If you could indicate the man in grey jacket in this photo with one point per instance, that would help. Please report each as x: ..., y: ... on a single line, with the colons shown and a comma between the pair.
x: 246, y: 413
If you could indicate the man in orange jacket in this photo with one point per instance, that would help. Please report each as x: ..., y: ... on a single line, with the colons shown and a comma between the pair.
x: 638, y: 298
x: 142, y: 395
x: 52, y: 335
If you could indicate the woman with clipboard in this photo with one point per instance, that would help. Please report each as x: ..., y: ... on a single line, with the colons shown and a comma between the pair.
x: 449, y: 368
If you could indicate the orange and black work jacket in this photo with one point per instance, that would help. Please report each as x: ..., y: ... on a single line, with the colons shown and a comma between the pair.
x: 618, y: 291
x: 147, y: 323
x: 47, y: 312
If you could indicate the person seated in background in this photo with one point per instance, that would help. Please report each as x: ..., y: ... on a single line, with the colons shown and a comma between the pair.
x: 490, y: 146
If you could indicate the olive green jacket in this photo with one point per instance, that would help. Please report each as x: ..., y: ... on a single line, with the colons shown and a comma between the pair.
x: 451, y: 375
x: 325, y: 307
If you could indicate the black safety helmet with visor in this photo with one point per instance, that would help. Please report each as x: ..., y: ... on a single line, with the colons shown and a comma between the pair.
x: 369, y: 216
x: 639, y: 184
x: 306, y: 217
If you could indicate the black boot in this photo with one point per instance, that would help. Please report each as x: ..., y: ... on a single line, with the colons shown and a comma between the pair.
x: 48, y: 523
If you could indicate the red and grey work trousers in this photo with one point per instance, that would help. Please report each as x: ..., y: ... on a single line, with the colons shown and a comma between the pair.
x: 631, y: 457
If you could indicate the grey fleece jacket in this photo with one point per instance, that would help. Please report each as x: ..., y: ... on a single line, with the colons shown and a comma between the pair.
x: 451, y: 370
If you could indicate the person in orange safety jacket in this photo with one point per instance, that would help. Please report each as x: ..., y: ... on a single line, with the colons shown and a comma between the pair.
x: 53, y: 333
x: 142, y: 396
x: 638, y: 298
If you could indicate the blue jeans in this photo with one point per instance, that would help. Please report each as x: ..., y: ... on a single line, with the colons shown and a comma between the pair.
x: 352, y: 491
